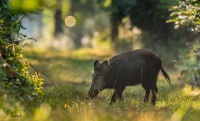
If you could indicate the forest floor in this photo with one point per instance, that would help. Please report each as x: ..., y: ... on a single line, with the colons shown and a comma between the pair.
x: 71, y: 74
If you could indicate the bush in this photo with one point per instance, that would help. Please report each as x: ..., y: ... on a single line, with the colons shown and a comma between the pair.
x: 16, y: 84
x: 186, y: 15
x: 190, y: 64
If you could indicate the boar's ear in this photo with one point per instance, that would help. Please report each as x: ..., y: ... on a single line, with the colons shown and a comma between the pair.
x: 96, y: 62
x: 105, y: 65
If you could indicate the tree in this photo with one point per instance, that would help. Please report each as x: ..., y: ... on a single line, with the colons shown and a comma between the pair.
x: 58, y: 22
x: 148, y: 15
x: 83, y: 11
x: 58, y: 19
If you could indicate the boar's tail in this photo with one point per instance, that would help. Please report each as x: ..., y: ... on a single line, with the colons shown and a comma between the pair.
x: 166, y: 75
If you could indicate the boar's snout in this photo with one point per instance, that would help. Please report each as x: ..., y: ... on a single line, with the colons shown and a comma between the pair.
x: 93, y: 92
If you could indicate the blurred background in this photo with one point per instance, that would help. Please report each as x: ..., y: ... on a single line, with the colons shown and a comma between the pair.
x: 117, y: 25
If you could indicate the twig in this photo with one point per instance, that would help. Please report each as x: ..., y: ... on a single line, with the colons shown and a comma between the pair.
x: 32, y: 38
x: 169, y: 32
x: 44, y: 74
x: 24, y: 45
x: 21, y: 19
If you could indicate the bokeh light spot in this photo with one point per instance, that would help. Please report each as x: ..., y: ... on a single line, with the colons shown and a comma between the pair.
x: 70, y: 21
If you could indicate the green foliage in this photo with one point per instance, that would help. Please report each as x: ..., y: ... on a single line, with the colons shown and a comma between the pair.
x: 25, y: 5
x: 186, y: 13
x: 16, y: 84
x: 190, y: 64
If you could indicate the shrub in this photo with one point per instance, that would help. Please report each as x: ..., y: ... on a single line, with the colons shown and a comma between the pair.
x: 16, y: 83
x: 190, y: 64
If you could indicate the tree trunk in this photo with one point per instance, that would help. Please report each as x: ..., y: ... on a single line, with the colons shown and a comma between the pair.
x: 58, y: 22
x: 114, y: 27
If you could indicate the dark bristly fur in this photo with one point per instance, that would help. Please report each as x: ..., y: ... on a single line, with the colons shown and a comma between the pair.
x: 133, y: 67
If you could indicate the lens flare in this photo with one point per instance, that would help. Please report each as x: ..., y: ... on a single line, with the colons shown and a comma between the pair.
x: 70, y: 21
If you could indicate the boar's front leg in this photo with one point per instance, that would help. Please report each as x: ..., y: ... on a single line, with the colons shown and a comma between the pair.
x: 117, y: 94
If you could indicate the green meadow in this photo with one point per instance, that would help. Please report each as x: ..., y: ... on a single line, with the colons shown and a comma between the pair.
x: 68, y: 81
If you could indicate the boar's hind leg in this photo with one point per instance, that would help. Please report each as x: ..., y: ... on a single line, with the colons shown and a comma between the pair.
x: 117, y: 94
x: 146, y: 97
x: 154, y: 94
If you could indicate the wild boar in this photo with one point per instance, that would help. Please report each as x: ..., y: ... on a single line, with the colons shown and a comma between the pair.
x: 132, y: 67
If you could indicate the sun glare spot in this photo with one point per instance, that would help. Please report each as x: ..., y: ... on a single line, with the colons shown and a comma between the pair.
x: 96, y: 34
x: 178, y: 114
x: 65, y: 105
x: 70, y: 21
x: 136, y: 30
x: 43, y: 112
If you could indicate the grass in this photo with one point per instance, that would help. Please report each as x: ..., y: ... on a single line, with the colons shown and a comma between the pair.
x: 72, y: 66
x: 71, y: 73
